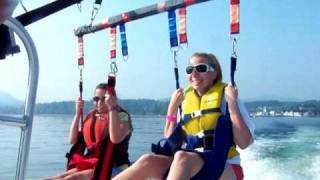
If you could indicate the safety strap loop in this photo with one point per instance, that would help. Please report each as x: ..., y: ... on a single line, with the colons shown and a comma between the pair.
x: 80, y: 53
x: 124, y: 45
x: 195, y: 114
x: 113, y: 52
x: 183, y: 27
x: 235, y: 16
x: 172, y: 29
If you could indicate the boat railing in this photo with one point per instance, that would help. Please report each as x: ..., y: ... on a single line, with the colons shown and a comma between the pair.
x: 24, y: 121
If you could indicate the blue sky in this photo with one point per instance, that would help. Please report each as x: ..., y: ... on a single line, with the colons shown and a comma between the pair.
x: 278, y: 50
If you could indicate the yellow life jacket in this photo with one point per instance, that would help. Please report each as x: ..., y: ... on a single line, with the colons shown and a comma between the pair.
x: 193, y: 104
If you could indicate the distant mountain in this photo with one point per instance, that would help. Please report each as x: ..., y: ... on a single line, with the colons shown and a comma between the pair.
x: 10, y: 105
x: 8, y: 100
x: 271, y: 98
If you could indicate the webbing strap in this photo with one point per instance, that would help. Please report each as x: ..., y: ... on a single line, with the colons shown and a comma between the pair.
x: 81, y: 109
x: 233, y: 66
x: 124, y: 45
x: 183, y: 25
x: 92, y: 127
x: 204, y: 139
x: 234, y: 16
x: 234, y: 31
x: 80, y: 67
x: 113, y: 39
x: 80, y: 51
x: 188, y: 117
x: 172, y: 28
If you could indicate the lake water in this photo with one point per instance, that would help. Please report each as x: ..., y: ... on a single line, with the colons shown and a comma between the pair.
x: 284, y: 148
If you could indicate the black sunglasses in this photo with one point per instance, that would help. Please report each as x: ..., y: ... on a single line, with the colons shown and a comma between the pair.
x: 97, y: 98
x: 201, y: 68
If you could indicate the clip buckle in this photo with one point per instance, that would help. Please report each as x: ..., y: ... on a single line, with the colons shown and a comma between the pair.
x: 196, y: 114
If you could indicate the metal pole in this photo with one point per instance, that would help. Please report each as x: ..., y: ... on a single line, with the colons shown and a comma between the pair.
x: 44, y: 11
x: 26, y: 130
x: 136, y: 14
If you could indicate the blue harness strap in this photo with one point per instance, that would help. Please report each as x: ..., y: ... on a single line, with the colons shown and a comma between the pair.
x: 168, y: 146
x: 188, y: 117
x: 215, y: 159
x: 205, y: 141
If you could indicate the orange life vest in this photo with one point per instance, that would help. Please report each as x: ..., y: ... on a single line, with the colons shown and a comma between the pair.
x: 102, y: 154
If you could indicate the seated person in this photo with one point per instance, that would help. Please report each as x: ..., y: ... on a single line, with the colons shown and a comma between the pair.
x: 214, y: 122
x: 107, y: 121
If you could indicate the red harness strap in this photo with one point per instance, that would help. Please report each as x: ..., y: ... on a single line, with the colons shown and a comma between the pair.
x: 104, y: 168
x: 235, y: 18
x: 99, y: 155
x: 237, y: 169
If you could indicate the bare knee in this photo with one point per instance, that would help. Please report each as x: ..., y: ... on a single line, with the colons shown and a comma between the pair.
x: 181, y: 158
x: 187, y: 162
x: 81, y: 175
x: 145, y: 160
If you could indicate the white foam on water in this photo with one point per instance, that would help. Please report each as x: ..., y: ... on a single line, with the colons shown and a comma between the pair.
x: 315, y: 166
x: 289, y: 158
x: 264, y: 169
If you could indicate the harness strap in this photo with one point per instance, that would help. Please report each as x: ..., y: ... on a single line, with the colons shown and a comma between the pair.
x: 124, y: 45
x: 77, y: 148
x: 104, y: 167
x: 183, y: 26
x: 92, y: 127
x: 172, y: 29
x: 113, y: 39
x: 188, y: 117
x: 168, y: 146
x: 235, y: 16
x: 233, y: 66
x: 203, y: 139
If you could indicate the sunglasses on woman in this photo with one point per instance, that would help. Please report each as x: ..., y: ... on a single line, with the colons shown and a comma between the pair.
x: 97, y: 98
x: 200, y: 68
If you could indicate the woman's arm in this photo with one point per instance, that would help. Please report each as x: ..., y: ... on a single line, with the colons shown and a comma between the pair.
x: 118, y: 129
x: 175, y: 101
x: 74, y: 129
x: 241, y: 133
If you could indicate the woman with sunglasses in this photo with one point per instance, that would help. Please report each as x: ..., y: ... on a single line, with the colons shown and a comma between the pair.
x: 106, y: 124
x: 203, y: 101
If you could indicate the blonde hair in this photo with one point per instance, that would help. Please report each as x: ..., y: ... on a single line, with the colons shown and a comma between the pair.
x: 213, y: 62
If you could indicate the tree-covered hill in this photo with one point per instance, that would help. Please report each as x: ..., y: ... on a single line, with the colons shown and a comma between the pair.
x: 159, y: 107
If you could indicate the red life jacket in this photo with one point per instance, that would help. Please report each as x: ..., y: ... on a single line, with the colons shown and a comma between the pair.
x: 101, y: 154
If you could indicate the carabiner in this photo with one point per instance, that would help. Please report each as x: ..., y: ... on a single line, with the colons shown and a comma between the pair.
x: 234, y: 47
x: 113, y: 67
x: 94, y: 12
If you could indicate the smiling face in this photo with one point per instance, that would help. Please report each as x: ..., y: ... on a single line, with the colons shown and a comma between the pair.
x: 201, y: 81
x: 101, y: 107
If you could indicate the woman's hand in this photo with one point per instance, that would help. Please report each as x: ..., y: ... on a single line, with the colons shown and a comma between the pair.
x: 110, y: 101
x: 241, y: 134
x: 79, y: 105
x: 177, y: 98
x: 231, y: 93
x: 74, y: 129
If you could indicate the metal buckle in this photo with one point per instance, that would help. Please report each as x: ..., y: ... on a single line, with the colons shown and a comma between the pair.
x: 200, y: 134
x: 196, y: 114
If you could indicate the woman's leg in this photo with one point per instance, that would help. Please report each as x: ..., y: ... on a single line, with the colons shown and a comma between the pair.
x: 71, y: 171
x: 80, y: 175
x: 147, y: 166
x: 185, y: 165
